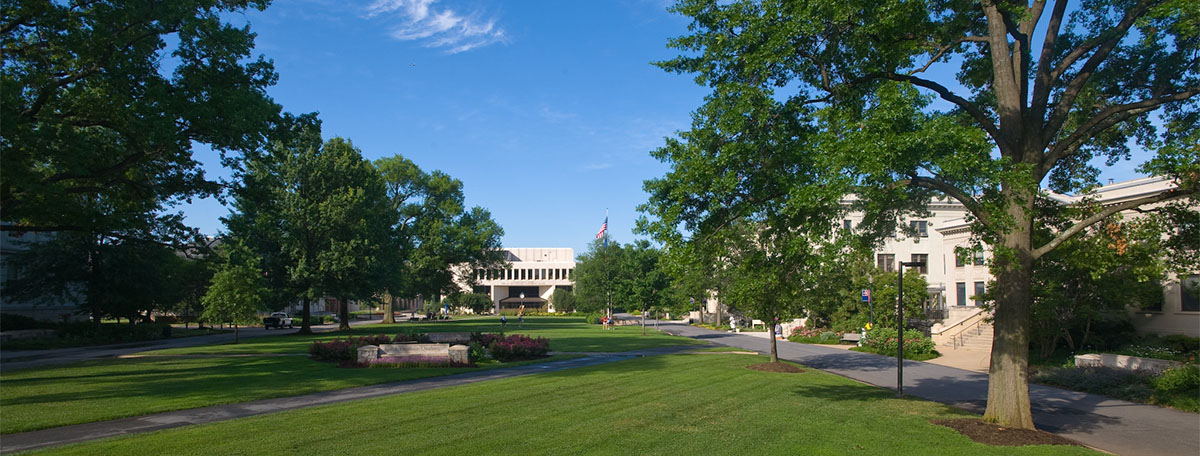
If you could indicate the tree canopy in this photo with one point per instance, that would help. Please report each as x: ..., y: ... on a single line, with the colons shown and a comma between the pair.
x: 104, y: 101
x: 987, y: 102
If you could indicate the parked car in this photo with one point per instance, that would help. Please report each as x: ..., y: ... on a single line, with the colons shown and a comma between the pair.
x: 278, y: 320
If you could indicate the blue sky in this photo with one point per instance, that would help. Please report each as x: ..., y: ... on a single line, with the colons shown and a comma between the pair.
x: 546, y: 110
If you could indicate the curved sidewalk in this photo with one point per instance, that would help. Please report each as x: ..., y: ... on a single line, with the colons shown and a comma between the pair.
x: 1112, y: 425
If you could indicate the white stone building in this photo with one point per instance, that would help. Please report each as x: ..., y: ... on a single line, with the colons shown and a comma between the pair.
x: 528, y: 278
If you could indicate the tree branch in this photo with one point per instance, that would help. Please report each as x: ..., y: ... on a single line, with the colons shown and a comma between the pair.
x: 1169, y: 195
x: 1067, y: 100
x: 1041, y: 85
x: 980, y: 117
x: 967, y: 200
x: 1103, y: 120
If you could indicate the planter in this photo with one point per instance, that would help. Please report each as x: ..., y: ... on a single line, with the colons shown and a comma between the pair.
x: 1123, y: 362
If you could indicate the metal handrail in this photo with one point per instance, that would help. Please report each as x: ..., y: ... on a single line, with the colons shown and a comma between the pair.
x: 959, y: 339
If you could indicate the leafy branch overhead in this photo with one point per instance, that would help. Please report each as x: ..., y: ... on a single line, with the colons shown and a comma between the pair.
x: 818, y: 108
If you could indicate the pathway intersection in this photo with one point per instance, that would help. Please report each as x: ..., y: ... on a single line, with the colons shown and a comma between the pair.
x: 1108, y: 424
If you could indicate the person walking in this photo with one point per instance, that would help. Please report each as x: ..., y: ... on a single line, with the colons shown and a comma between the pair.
x: 521, y: 316
x: 503, y: 322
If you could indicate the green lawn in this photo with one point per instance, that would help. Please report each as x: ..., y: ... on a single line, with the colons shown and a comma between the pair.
x: 673, y: 404
x: 567, y: 334
x: 108, y: 389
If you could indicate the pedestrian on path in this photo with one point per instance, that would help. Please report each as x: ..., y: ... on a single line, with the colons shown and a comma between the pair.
x: 503, y: 322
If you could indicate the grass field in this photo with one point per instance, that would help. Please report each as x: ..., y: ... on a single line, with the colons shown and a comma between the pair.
x: 672, y: 404
x: 566, y: 334
x: 108, y: 389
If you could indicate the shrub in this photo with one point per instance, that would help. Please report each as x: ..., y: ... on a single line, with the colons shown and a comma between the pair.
x: 410, y: 337
x: 807, y: 335
x: 417, y: 361
x: 1180, y: 379
x: 883, y: 341
x: 344, y: 350
x: 516, y: 347
x: 15, y: 322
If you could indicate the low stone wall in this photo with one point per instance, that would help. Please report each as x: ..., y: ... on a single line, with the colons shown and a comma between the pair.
x: 455, y: 353
x: 450, y: 337
x: 1123, y: 362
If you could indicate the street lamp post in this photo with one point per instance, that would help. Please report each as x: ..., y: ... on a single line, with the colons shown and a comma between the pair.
x: 900, y: 331
x: 871, y: 298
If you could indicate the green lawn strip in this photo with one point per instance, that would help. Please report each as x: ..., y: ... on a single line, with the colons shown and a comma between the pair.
x: 566, y: 334
x: 109, y: 389
x: 672, y: 404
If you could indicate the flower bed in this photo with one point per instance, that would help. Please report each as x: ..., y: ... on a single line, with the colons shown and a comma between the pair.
x: 514, y: 347
x: 417, y: 361
x: 883, y: 341
x: 346, y: 350
x: 807, y: 335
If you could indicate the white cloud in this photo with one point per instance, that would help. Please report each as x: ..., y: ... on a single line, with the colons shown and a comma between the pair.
x: 419, y: 20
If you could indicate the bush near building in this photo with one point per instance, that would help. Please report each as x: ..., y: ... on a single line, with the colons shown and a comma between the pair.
x: 883, y: 341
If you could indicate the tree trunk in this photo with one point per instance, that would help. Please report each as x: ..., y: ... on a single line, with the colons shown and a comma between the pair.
x: 643, y: 321
x: 1008, y: 382
x: 235, y: 333
x: 388, y: 307
x: 774, y: 349
x: 306, y: 314
x: 343, y: 314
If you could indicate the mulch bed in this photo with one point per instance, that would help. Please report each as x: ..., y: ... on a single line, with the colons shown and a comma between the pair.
x: 991, y: 434
x: 776, y: 367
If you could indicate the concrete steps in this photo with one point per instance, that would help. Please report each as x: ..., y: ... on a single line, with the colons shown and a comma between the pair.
x: 978, y: 339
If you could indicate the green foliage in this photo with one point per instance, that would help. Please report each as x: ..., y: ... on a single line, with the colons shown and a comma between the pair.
x: 436, y: 239
x: 98, y: 135
x: 234, y: 296
x: 478, y: 303
x: 813, y: 100
x: 563, y: 300
x: 1084, y: 289
x: 883, y: 341
x: 1182, y: 379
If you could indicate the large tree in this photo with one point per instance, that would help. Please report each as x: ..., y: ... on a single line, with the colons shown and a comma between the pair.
x: 96, y: 131
x: 1028, y: 94
x: 436, y: 242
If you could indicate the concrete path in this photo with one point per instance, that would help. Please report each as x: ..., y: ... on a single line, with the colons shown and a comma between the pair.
x: 1116, y: 426
x: 135, y: 425
x: 20, y: 359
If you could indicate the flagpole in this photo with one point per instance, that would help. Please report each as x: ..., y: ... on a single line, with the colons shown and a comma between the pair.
x: 608, y: 283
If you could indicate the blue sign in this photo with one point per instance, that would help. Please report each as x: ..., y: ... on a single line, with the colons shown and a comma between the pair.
x: 866, y: 295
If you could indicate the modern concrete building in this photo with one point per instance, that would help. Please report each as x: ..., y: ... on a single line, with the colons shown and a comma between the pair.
x: 529, y: 278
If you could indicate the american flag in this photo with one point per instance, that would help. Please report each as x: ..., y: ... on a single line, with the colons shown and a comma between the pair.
x: 603, y: 229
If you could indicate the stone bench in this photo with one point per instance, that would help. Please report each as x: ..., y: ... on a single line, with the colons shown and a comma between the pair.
x: 851, y: 337
x: 455, y: 353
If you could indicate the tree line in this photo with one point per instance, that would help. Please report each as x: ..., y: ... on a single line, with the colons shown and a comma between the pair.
x: 98, y: 141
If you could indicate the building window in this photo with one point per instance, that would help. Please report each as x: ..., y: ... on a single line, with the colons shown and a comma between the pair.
x: 886, y: 262
x: 958, y: 259
x: 846, y: 224
x: 961, y: 289
x: 979, y: 258
x: 1189, y: 294
x: 921, y: 227
x: 922, y: 258
x: 979, y: 289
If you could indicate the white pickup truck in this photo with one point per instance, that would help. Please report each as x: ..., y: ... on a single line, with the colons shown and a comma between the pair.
x: 278, y: 320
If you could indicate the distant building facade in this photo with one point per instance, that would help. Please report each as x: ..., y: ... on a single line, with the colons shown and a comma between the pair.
x: 529, y: 277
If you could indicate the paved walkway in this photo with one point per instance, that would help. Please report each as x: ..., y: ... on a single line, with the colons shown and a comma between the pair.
x: 20, y: 359
x: 1112, y: 425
